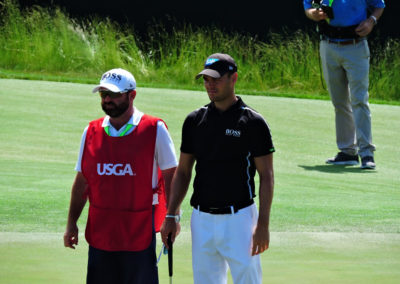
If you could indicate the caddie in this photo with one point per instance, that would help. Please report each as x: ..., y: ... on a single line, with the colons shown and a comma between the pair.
x: 125, y: 166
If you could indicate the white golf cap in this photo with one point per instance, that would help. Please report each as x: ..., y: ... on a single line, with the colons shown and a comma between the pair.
x: 116, y: 80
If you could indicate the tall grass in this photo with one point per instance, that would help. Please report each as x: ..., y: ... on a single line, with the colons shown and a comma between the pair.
x: 47, y: 42
x: 385, y: 70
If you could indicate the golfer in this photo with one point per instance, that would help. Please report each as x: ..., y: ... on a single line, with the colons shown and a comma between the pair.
x: 127, y: 160
x: 228, y: 142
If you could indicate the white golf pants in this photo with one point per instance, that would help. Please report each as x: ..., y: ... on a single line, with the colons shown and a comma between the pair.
x: 219, y: 241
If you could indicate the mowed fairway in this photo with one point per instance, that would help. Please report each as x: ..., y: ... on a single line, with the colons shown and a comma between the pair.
x: 329, y: 224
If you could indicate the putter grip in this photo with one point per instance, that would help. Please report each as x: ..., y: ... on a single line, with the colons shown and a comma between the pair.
x: 169, y: 255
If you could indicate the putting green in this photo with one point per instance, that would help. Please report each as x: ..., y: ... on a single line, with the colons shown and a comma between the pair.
x: 328, y: 224
x: 292, y: 258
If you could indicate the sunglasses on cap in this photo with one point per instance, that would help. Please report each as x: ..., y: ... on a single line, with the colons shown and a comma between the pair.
x: 112, y: 95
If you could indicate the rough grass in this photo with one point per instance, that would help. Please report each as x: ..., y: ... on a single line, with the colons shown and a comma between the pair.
x: 46, y: 43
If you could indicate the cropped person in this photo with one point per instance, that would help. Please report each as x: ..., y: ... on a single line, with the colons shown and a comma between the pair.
x: 125, y: 167
x: 344, y: 27
x: 228, y: 141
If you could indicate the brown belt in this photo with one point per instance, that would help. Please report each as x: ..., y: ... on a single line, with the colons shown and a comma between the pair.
x: 345, y: 42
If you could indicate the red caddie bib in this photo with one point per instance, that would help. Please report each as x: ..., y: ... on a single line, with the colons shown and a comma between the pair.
x: 119, y: 175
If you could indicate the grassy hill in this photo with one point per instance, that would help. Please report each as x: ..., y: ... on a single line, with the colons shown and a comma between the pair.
x: 47, y: 44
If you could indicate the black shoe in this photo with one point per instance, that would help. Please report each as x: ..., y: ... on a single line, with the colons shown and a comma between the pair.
x: 368, y: 162
x: 343, y: 159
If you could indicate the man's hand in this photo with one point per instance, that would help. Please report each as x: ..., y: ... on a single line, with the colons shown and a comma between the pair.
x: 78, y: 201
x: 365, y: 27
x: 169, y: 226
x: 316, y: 14
x: 260, y: 240
x: 71, y: 236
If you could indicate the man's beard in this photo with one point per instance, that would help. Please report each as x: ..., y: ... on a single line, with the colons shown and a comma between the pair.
x: 114, y: 110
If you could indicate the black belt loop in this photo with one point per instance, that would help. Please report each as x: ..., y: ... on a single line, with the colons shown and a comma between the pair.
x: 232, y: 209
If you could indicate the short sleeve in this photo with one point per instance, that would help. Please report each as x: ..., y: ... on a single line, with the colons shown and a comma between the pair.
x: 78, y: 166
x: 165, y: 149
x: 187, y: 144
x: 260, y: 138
x: 307, y: 4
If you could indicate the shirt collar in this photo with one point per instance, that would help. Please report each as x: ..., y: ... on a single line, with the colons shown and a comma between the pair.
x: 236, y: 105
x: 134, y: 120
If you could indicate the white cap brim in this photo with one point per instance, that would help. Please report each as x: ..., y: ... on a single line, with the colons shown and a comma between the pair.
x: 107, y: 86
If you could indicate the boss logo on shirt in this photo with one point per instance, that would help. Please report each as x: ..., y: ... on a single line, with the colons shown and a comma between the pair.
x: 114, y: 169
x: 232, y: 132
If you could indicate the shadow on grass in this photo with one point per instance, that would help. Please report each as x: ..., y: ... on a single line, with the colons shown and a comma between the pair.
x: 336, y: 169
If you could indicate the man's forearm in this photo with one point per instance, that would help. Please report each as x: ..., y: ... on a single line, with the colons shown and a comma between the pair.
x: 377, y: 13
x: 265, y: 170
x: 168, y: 175
x: 78, y: 201
x: 179, y: 187
x: 265, y: 199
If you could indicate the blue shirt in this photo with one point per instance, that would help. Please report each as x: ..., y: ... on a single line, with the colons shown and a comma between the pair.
x: 348, y: 12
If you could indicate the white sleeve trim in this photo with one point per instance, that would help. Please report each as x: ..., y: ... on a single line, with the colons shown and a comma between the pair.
x: 78, y: 166
x: 165, y: 150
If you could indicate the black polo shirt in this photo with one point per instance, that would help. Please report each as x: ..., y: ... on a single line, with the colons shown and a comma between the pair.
x: 224, y: 145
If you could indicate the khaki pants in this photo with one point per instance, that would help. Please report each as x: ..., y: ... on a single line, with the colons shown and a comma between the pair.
x: 346, y: 70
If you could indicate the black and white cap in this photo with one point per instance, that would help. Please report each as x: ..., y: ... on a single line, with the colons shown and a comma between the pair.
x: 217, y: 65
x: 116, y: 80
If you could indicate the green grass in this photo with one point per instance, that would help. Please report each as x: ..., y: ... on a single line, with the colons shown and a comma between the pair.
x: 328, y: 223
x: 46, y: 43
x: 292, y: 258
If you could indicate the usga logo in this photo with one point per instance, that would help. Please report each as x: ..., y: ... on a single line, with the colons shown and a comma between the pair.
x: 114, y: 169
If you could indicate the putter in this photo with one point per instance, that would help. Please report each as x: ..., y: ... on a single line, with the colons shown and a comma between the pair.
x: 170, y: 258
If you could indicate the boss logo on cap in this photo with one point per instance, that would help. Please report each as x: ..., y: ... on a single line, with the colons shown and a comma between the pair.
x: 112, y: 76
